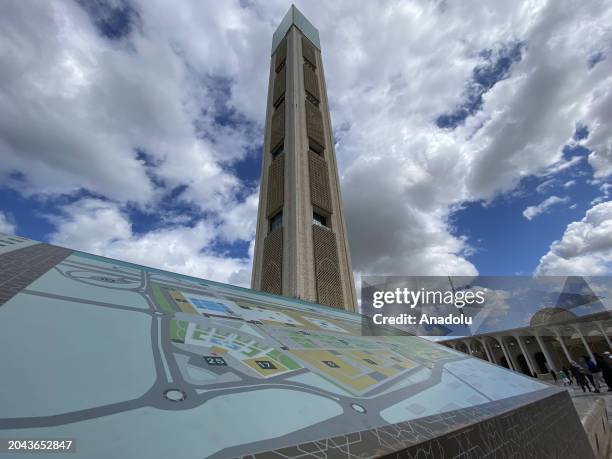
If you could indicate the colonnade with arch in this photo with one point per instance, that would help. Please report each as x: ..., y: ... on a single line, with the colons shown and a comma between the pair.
x: 535, y: 351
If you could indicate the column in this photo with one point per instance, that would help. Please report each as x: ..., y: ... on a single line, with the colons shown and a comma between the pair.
x: 603, y: 332
x: 565, y: 351
x: 526, y: 354
x: 489, y: 351
x: 503, y: 348
x: 486, y: 349
x: 584, y: 341
x: 469, y: 348
x: 549, y: 360
x: 475, y: 348
x: 509, y: 355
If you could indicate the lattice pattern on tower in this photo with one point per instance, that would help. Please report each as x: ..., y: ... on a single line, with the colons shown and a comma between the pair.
x: 320, y: 194
x: 272, y: 273
x: 276, y: 185
x: 308, y: 51
x: 280, y: 83
x: 314, y: 126
x: 281, y: 55
x: 311, y: 83
x: 277, y: 134
x: 327, y: 268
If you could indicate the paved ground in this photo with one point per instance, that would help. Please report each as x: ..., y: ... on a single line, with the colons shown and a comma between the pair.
x: 583, y: 401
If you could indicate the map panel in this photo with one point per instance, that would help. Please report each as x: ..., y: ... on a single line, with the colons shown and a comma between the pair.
x: 136, y: 362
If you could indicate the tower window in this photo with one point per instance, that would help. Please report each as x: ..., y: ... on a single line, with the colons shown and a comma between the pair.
x: 320, y: 220
x: 312, y: 99
x: 276, y: 221
x: 278, y: 151
x: 315, y: 147
x: 308, y: 64
x: 279, y: 101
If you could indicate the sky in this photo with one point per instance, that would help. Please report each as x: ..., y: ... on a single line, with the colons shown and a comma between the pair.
x: 471, y: 137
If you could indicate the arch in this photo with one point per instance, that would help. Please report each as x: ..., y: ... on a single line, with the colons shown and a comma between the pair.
x: 592, y: 331
x: 515, y: 353
x: 523, y: 366
x: 596, y: 340
x: 461, y: 347
x: 540, y: 361
x: 550, y: 347
x: 478, y: 349
x: 494, y: 348
x: 573, y: 343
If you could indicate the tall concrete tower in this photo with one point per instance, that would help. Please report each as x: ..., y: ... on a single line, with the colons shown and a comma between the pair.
x: 301, y: 249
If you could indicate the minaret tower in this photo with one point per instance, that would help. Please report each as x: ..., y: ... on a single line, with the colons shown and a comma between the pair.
x: 301, y: 250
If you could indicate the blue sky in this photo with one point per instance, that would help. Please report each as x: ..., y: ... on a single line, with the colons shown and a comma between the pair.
x: 503, y: 241
x: 481, y: 144
x: 507, y: 243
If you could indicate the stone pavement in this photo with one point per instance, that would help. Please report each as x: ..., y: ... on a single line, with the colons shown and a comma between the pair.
x: 582, y: 402
x: 585, y: 406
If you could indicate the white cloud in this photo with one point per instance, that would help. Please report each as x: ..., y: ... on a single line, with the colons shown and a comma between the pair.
x: 76, y: 106
x: 101, y: 228
x: 85, y: 106
x: 533, y: 211
x: 546, y: 185
x: 562, y: 165
x: 598, y: 120
x: 569, y: 183
x: 6, y: 224
x: 585, y: 248
x: 420, y: 173
x: 239, y: 222
x: 598, y: 200
x: 605, y: 189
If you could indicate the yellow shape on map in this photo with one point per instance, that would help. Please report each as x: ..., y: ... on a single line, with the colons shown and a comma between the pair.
x: 182, y: 302
x: 337, y: 368
x: 265, y: 366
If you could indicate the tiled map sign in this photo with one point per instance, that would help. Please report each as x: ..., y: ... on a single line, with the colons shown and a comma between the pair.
x: 131, y: 361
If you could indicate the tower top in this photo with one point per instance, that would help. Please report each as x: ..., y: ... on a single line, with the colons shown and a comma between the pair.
x: 296, y: 18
